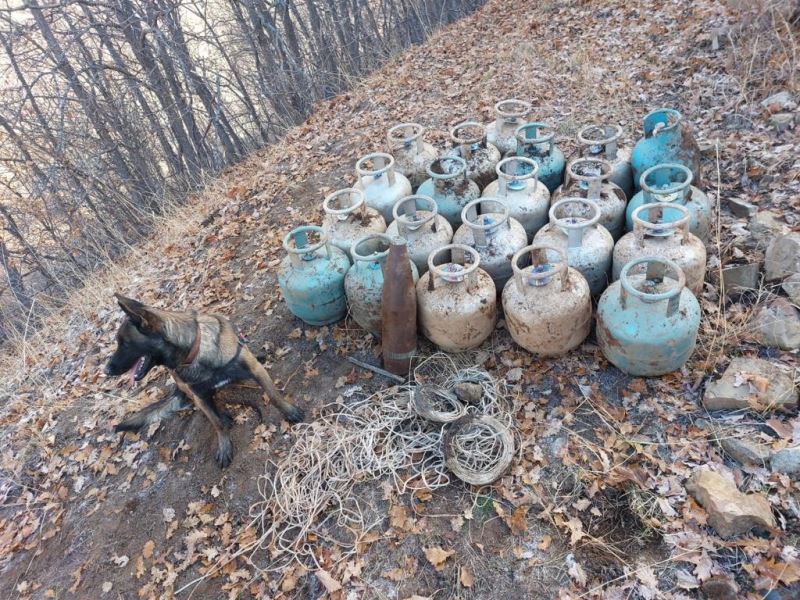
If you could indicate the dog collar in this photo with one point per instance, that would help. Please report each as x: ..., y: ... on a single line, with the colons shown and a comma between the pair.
x: 195, y: 349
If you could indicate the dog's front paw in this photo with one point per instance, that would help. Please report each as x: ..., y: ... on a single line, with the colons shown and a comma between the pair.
x: 294, y: 414
x: 224, y: 454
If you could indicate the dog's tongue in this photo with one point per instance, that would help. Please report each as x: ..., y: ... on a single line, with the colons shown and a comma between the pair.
x: 133, y: 369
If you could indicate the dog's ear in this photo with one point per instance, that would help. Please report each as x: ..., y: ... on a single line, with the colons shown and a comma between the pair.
x: 144, y: 317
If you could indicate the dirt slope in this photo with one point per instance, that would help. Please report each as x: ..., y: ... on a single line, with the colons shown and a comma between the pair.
x: 89, y: 515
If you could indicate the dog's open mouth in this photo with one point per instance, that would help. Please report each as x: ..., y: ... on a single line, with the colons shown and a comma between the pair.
x: 140, y: 368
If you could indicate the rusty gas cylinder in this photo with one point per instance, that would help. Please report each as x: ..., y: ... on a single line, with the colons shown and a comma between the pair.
x: 602, y: 141
x: 469, y: 143
x: 411, y: 153
x: 588, y: 178
x: 647, y: 323
x: 496, y: 236
x: 548, y: 305
x: 348, y: 218
x: 398, y: 310
x: 417, y: 220
x: 511, y: 114
x: 363, y: 283
x: 575, y: 231
x: 457, y: 299
x: 655, y: 235
x: 449, y: 187
x: 519, y: 188
x: 537, y: 141
x: 382, y: 185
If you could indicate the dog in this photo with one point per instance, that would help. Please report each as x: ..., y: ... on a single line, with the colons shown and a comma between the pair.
x: 203, y: 354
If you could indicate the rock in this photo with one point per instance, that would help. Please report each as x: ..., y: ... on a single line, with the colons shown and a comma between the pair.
x: 783, y: 257
x: 740, y: 278
x: 777, y: 325
x: 765, y: 226
x: 752, y: 383
x: 782, y: 121
x: 787, y: 461
x: 730, y: 512
x: 720, y: 587
x: 742, y: 208
x: 782, y: 101
x: 791, y: 286
x: 468, y: 392
x: 746, y: 451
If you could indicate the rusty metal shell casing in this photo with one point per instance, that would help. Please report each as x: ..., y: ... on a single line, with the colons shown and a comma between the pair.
x: 501, y: 133
x: 664, y: 237
x: 519, y: 188
x: 381, y: 184
x: 575, y: 231
x: 493, y: 234
x: 364, y: 281
x: 548, y: 305
x: 398, y: 310
x: 311, y: 277
x: 602, y: 141
x: 449, y: 187
x: 417, y: 220
x: 537, y: 141
x: 673, y: 183
x: 411, y: 153
x: 647, y: 324
x: 457, y: 299
x: 588, y: 178
x: 469, y: 143
x: 348, y: 218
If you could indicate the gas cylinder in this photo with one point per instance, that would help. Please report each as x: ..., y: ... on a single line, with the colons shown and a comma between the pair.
x: 519, y: 188
x: 647, y: 324
x: 449, y: 187
x: 311, y: 277
x: 535, y: 140
x: 417, y: 220
x: 588, y: 178
x: 469, y: 143
x: 548, y: 305
x: 456, y: 300
x: 363, y: 283
x: 348, y: 218
x: 575, y: 231
x: 496, y: 236
x: 411, y: 153
x: 654, y: 235
x: 673, y: 183
x: 602, y: 141
x: 666, y: 140
x: 382, y: 185
x: 511, y: 114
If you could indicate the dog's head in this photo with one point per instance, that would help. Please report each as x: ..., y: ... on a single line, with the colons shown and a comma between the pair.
x: 140, y: 340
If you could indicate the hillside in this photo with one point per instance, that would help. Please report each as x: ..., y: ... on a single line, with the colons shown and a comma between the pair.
x: 599, y: 481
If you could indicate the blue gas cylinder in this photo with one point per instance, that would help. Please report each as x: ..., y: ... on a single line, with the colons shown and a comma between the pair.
x: 311, y: 277
x: 449, y: 187
x: 672, y: 183
x: 647, y: 323
x: 665, y: 140
x: 535, y: 140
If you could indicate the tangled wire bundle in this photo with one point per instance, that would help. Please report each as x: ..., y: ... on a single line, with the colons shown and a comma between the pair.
x: 310, y: 493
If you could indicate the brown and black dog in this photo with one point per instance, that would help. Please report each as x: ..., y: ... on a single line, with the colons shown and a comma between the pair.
x: 203, y: 354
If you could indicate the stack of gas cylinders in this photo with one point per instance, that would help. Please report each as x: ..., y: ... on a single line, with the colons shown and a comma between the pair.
x: 504, y: 218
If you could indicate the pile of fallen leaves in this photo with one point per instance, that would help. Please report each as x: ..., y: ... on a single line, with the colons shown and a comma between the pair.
x: 595, y: 504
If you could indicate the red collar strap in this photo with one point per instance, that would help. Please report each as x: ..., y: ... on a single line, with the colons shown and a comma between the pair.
x: 195, y: 349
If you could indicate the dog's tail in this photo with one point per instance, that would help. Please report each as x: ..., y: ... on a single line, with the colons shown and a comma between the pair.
x: 158, y: 411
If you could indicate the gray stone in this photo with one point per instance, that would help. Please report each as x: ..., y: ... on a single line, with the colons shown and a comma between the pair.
x: 779, y: 102
x: 777, y: 325
x: 765, y: 226
x: 752, y: 383
x: 742, y: 208
x: 745, y: 451
x: 783, y: 257
x: 740, y: 278
x: 791, y: 286
x: 720, y: 587
x: 787, y: 461
x: 730, y: 512
x: 782, y: 121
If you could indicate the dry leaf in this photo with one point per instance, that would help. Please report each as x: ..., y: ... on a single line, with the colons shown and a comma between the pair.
x: 517, y: 522
x: 545, y: 543
x: 107, y: 585
x: 437, y: 557
x: 149, y: 546
x: 467, y: 580
x: 328, y: 581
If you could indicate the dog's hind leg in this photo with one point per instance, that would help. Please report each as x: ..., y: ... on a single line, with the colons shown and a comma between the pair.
x: 292, y: 413
x: 204, y: 402
x: 240, y: 394
x: 157, y: 411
